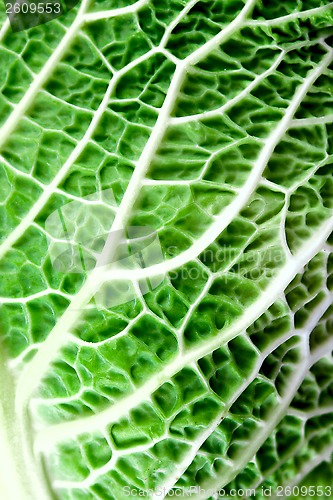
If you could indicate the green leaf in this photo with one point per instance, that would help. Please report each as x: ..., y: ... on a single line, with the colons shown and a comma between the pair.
x: 166, y: 251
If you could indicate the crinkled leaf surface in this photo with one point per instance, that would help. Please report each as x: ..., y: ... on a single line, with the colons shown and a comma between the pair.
x: 211, y: 123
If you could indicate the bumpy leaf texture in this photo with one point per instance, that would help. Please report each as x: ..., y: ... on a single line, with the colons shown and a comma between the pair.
x: 209, y: 364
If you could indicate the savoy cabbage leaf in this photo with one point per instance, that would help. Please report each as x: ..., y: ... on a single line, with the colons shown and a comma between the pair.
x: 166, y: 251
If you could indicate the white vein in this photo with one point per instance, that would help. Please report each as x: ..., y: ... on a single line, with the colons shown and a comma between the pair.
x: 246, y: 91
x: 37, y: 295
x: 324, y: 456
x: 308, y: 414
x: 314, y: 120
x: 4, y: 29
x: 41, y: 78
x: 305, y: 14
x: 121, y: 11
x: 176, y: 21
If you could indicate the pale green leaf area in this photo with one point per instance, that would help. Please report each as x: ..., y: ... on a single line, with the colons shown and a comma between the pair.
x: 207, y: 368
